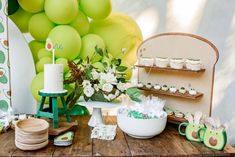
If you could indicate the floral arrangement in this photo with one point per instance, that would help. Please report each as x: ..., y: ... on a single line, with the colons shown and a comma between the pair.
x: 99, y: 84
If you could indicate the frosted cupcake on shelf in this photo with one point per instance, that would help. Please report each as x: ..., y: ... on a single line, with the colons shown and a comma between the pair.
x: 165, y: 88
x: 173, y: 89
x: 149, y: 85
x: 177, y: 63
x: 192, y: 91
x: 179, y: 114
x: 157, y: 86
x: 146, y: 61
x: 140, y: 85
x: 182, y: 90
x: 193, y: 64
x: 161, y: 62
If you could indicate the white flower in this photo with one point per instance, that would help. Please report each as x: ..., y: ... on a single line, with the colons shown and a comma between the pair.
x: 106, y: 97
x: 121, y: 86
x: 96, y: 87
x: 107, y: 78
x: 88, y: 91
x: 107, y: 87
x: 117, y: 93
x: 95, y: 74
x: 111, y: 96
x: 86, y: 83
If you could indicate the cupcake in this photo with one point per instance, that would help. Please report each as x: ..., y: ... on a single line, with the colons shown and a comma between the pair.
x: 179, y: 114
x: 140, y: 85
x: 157, y: 87
x: 192, y: 91
x: 193, y: 64
x: 165, y: 88
x: 173, y: 89
x: 182, y: 90
x: 161, y: 62
x: 169, y: 111
x: 148, y: 85
x: 146, y: 61
x: 177, y: 63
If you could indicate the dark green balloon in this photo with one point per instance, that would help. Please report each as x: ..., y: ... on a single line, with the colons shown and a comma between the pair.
x: 79, y: 110
x: 13, y: 6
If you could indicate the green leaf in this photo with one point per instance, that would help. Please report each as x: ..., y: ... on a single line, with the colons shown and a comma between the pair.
x: 116, y: 61
x: 98, y: 50
x: 86, y: 98
x: 134, y: 94
x: 121, y: 80
x: 3, y: 105
x: 2, y: 57
x: 73, y: 101
x: 121, y: 68
x: 70, y: 97
x: 3, y: 79
x: 98, y: 97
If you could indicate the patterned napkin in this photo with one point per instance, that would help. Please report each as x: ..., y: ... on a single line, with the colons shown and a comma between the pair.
x: 104, y: 132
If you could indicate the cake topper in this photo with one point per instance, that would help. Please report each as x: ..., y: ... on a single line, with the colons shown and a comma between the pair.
x: 50, y: 47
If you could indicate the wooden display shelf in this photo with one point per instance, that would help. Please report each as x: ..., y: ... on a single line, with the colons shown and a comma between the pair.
x: 171, y: 69
x: 176, y: 94
x: 175, y: 120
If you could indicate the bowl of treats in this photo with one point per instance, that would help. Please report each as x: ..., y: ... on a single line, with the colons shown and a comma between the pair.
x: 144, y: 120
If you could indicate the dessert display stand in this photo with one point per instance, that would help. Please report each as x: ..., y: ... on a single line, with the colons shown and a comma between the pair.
x: 97, y: 106
x: 185, y: 46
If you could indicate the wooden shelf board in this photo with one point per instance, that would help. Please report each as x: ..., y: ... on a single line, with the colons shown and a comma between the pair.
x: 176, y: 94
x: 170, y: 69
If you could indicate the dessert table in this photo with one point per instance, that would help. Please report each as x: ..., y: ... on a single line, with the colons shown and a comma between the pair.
x: 169, y: 143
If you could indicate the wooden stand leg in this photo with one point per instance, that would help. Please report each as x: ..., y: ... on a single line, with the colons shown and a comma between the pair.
x: 66, y: 110
x: 55, y: 112
x: 50, y: 105
x: 41, y: 106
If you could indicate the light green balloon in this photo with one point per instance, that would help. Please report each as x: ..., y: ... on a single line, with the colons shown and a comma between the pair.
x: 66, y: 40
x: 89, y: 42
x: 37, y: 85
x: 64, y: 62
x: 97, y: 10
x: 41, y: 62
x: 81, y: 23
x: 21, y: 19
x: 35, y: 46
x: 44, y: 53
x: 40, y: 26
x: 121, y: 35
x: 32, y: 6
x: 61, y: 11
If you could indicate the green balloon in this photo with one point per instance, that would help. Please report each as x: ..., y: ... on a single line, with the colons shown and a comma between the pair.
x: 78, y: 110
x: 61, y: 11
x: 66, y: 41
x: 40, y: 26
x: 35, y: 46
x: 64, y: 62
x: 37, y: 85
x: 3, y: 105
x: 21, y: 19
x: 97, y: 10
x: 121, y: 35
x: 13, y: 6
x: 41, y: 62
x: 30, y: 6
x: 81, y: 23
x: 44, y: 53
x: 89, y: 42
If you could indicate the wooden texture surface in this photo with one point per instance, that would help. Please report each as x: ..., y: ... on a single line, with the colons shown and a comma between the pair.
x: 169, y: 143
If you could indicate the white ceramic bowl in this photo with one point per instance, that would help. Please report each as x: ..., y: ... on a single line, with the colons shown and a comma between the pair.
x: 141, y: 128
x: 161, y: 62
x: 146, y: 61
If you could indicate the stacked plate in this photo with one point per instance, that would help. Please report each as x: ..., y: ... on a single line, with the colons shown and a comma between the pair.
x: 31, y: 134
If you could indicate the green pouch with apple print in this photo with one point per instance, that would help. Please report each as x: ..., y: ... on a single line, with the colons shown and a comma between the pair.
x: 214, y: 135
x: 192, y: 127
